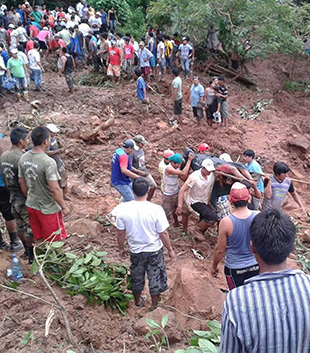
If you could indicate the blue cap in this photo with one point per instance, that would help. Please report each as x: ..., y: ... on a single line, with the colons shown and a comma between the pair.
x: 128, y: 144
x: 176, y: 158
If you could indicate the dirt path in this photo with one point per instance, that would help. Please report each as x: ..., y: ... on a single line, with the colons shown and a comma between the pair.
x: 88, y: 162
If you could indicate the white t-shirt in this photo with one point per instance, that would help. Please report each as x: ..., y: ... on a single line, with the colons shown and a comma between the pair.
x: 161, y: 46
x: 95, y: 21
x: 22, y: 34
x: 14, y: 39
x: 23, y: 58
x: 2, y: 65
x: 34, y: 59
x: 200, y: 188
x: 143, y: 221
x: 84, y: 28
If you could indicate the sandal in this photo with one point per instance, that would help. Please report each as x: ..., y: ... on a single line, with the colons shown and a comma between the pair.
x: 142, y: 301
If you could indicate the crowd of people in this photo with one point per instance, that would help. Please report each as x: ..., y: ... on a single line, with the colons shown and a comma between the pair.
x: 236, y: 199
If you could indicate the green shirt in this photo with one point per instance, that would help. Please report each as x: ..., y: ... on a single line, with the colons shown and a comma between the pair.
x: 9, y: 172
x: 177, y: 83
x: 37, y: 15
x: 16, y: 67
x: 38, y: 169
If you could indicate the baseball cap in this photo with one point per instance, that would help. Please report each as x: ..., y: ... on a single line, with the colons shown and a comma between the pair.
x: 98, y: 13
x: 203, y: 147
x: 128, y: 144
x: 176, y: 158
x: 168, y: 153
x: 221, y: 78
x: 239, y: 192
x: 184, y: 38
x: 141, y: 43
x: 11, y: 25
x: 225, y: 157
x: 14, y: 51
x: 113, y: 42
x: 140, y: 139
x: 208, y: 165
x: 45, y: 28
x: 52, y: 128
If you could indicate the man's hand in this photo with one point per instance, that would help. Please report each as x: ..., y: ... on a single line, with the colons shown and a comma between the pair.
x: 172, y: 254
x: 43, y: 70
x: 178, y: 211
x: 191, y: 156
x: 142, y: 173
x: 214, y: 272
x: 123, y: 253
x: 65, y: 211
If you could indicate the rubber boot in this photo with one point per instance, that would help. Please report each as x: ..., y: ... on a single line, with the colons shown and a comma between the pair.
x: 3, y: 244
x: 26, y: 253
x: 30, y: 255
x: 18, y: 97
x: 26, y: 96
x: 15, y: 245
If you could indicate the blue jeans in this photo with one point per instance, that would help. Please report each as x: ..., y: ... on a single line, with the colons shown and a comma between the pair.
x: 1, y: 83
x: 169, y: 61
x: 21, y: 84
x: 36, y: 76
x: 185, y: 66
x: 112, y: 25
x: 125, y: 191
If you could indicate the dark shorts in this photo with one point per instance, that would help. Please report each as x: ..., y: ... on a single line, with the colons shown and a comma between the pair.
x: 145, y: 70
x: 63, y: 182
x: 43, y: 45
x: 195, y: 112
x: 69, y: 79
x: 5, y: 206
x: 153, y: 264
x: 209, y: 114
x: 206, y: 213
x: 235, y: 278
x: 170, y: 204
x: 178, y: 107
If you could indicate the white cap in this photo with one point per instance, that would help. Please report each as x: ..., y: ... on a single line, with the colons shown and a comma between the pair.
x: 45, y: 28
x: 208, y: 165
x: 14, y: 51
x: 225, y: 157
x: 11, y: 25
x: 52, y: 128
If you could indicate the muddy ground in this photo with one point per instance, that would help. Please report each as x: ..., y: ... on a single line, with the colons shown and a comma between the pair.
x: 280, y: 132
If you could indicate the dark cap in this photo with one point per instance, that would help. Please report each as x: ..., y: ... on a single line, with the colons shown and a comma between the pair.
x: 128, y: 144
x: 221, y: 78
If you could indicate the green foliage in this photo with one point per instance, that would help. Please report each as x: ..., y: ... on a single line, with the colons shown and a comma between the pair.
x: 205, y: 341
x: 294, y: 86
x: 158, y: 334
x: 247, y: 28
x: 86, y: 273
x: 26, y: 339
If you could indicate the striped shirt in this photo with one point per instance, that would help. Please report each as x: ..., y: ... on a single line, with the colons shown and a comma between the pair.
x: 270, y: 313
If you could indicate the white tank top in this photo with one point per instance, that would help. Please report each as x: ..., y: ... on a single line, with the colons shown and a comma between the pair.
x: 171, y: 183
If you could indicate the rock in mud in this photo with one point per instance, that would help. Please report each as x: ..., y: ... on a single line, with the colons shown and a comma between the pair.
x: 195, y: 294
x: 174, y: 335
x: 83, y: 227
x: 301, y: 144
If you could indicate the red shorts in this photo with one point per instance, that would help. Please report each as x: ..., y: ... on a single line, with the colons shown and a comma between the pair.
x: 43, y: 225
x: 145, y: 70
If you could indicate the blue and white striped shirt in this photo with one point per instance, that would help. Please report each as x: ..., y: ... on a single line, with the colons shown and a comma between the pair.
x: 270, y: 313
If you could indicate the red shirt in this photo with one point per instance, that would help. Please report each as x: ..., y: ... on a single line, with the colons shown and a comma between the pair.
x: 129, y: 51
x: 29, y: 45
x: 35, y: 30
x: 115, y: 56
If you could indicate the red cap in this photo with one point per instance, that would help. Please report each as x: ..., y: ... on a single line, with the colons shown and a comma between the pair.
x: 203, y: 147
x: 239, y: 192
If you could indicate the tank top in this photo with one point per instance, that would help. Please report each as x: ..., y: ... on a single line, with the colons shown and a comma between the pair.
x: 238, y: 253
x: 112, y: 16
x: 210, y: 97
x: 171, y: 184
x: 69, y: 65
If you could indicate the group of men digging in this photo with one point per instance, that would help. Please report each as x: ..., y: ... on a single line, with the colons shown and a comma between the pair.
x: 254, y: 235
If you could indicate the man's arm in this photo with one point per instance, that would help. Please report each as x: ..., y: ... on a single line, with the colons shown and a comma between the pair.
x: 57, y: 195
x: 220, y: 249
x: 63, y: 61
x: 297, y: 199
x: 121, y: 236
x: 181, y: 173
x: 184, y: 189
x: 23, y: 185
x: 268, y: 190
x: 140, y: 172
x: 128, y: 173
x: 164, y: 237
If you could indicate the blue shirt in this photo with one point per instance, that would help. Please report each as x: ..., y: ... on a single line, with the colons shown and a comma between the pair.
x: 104, y: 18
x: 270, y: 313
x: 254, y: 167
x: 2, y: 185
x: 117, y: 177
x: 21, y: 14
x: 140, y: 88
x: 196, y: 92
x: 5, y: 57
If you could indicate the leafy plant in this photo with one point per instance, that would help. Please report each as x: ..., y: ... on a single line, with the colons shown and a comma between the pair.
x: 26, y: 339
x: 294, y: 86
x: 205, y: 341
x: 86, y: 273
x: 158, y: 334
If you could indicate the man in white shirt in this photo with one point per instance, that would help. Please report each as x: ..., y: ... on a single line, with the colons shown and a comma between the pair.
x: 95, y: 23
x: 145, y: 225
x: 35, y: 66
x: 161, y: 54
x: 2, y: 72
x: 84, y: 27
x: 198, y: 189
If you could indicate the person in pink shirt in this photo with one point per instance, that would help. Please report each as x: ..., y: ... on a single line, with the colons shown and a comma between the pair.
x: 43, y: 36
x: 129, y: 53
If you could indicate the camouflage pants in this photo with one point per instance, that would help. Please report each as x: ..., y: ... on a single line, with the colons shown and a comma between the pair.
x: 153, y: 264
